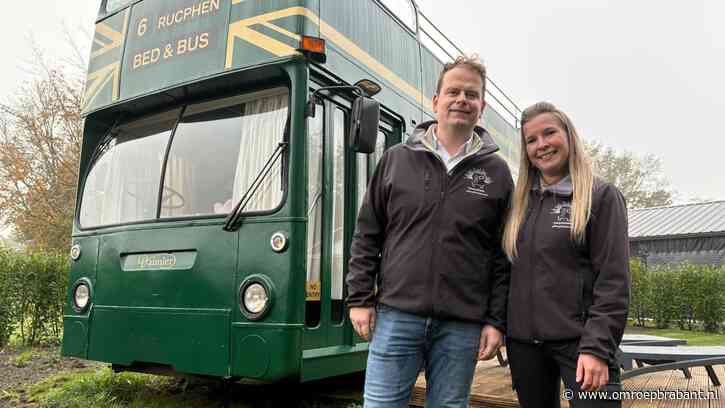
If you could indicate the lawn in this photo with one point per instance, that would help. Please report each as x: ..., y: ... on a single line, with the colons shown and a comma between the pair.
x: 40, y: 378
x: 694, y: 338
x: 103, y: 388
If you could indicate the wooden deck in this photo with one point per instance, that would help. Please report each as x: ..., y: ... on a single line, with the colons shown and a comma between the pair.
x: 492, y: 388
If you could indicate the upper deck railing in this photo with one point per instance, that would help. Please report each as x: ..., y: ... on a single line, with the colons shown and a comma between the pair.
x: 446, y: 50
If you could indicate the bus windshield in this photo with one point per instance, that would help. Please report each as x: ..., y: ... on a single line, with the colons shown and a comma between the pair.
x: 217, y: 149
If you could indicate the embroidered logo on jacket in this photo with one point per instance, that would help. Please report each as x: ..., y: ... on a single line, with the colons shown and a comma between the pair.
x: 479, y: 181
x: 563, y: 215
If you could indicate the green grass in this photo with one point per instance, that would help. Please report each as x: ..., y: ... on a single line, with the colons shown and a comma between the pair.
x: 23, y: 358
x: 104, y: 389
x: 694, y: 338
x: 9, y: 395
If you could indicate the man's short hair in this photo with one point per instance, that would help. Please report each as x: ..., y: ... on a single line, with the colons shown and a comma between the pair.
x: 471, y: 62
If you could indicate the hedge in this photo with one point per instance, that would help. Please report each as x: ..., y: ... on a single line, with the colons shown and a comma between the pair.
x: 687, y: 295
x: 32, y: 289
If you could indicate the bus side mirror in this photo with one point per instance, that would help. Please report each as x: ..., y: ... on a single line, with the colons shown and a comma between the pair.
x: 364, y: 124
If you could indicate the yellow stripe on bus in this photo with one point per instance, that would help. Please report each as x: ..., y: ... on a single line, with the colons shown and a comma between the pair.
x: 359, y: 54
x: 241, y: 29
x: 282, y: 31
x: 115, y: 37
x: 98, y: 79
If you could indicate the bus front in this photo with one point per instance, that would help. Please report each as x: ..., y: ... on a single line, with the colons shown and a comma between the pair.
x: 190, y: 215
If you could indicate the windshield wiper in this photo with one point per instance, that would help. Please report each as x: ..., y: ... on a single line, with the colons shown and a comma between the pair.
x: 232, y: 220
x: 103, y: 146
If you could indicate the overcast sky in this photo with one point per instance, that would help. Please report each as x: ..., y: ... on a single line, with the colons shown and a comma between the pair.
x: 643, y: 75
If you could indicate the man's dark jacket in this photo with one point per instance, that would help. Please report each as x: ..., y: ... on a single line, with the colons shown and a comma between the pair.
x: 562, y: 290
x: 430, y: 239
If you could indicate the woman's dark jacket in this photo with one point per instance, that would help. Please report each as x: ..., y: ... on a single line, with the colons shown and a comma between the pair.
x: 561, y: 290
x: 430, y: 239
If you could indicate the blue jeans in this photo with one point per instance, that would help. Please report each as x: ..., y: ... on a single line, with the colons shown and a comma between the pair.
x: 404, y: 343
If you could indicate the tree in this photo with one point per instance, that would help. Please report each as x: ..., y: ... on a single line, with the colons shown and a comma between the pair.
x: 639, y: 178
x: 40, y: 139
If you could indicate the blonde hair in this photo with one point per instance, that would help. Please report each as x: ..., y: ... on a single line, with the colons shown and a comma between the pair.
x: 471, y: 62
x: 580, y: 171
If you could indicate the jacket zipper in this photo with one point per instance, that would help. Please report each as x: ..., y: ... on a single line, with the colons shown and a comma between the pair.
x: 436, y: 240
x: 532, y: 281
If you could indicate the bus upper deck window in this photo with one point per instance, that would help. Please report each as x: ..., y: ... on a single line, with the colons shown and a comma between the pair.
x: 113, y: 5
x: 403, y: 10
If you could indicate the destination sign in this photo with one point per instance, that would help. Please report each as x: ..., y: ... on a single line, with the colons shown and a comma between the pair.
x: 172, y: 41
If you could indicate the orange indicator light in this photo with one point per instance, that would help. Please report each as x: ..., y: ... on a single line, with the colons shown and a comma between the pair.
x: 312, y: 44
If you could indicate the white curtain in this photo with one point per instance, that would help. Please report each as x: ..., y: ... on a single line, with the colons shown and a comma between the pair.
x: 338, y: 205
x: 263, y: 124
x: 123, y: 184
x: 314, y: 205
x: 178, y: 194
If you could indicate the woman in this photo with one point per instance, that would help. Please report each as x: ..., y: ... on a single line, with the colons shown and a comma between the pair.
x: 566, y: 237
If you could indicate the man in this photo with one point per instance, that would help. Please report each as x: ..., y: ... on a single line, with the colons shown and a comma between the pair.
x: 428, y: 236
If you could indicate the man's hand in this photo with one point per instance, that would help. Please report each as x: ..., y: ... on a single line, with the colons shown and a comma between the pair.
x: 491, y: 340
x: 591, y: 372
x: 363, y: 321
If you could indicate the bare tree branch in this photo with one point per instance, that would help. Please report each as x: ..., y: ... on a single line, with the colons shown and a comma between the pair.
x: 639, y: 178
x: 40, y: 136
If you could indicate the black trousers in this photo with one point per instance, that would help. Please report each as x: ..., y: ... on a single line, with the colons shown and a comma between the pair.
x: 538, y: 369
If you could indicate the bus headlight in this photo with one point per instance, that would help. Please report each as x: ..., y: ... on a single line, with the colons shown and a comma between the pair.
x: 255, y: 297
x: 81, y: 295
x: 75, y: 252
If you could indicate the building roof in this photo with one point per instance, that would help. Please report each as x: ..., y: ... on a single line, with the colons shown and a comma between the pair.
x: 678, y: 220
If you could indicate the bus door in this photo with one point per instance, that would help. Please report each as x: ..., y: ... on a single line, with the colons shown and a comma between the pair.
x: 337, y: 180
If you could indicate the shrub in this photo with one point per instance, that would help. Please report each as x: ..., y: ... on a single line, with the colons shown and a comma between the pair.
x: 6, y: 318
x: 689, y: 283
x: 664, y: 292
x: 687, y: 294
x: 710, y: 305
x: 641, y: 292
x: 33, y: 292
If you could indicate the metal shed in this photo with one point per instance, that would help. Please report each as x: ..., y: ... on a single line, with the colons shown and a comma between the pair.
x: 674, y: 234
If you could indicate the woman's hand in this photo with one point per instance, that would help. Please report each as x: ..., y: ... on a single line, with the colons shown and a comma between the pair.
x: 591, y: 372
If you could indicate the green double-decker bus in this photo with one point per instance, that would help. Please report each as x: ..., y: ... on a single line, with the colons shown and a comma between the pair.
x: 218, y: 186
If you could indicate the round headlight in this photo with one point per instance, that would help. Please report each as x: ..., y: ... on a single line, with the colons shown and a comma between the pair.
x: 278, y: 241
x: 75, y: 252
x: 255, y: 298
x: 81, y: 296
